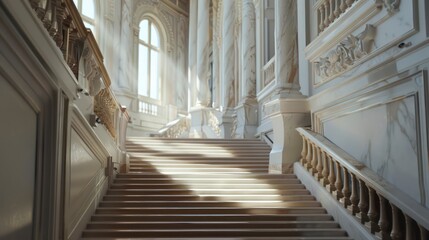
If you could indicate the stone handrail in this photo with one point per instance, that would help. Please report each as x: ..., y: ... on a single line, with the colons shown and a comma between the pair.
x: 385, y: 210
x: 327, y: 11
x: 178, y: 128
x: 269, y: 71
x: 77, y: 43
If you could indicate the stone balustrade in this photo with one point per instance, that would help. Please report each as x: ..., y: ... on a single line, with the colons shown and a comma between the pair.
x: 328, y: 11
x: 383, y: 209
x: 77, y: 43
x: 269, y: 71
x: 179, y: 128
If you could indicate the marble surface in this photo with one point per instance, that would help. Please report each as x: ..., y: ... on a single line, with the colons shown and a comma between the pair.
x: 286, y: 46
x: 192, y: 53
x: 286, y: 149
x: 127, y: 46
x: 203, y: 52
x: 228, y: 55
x: 249, y: 49
x: 385, y: 139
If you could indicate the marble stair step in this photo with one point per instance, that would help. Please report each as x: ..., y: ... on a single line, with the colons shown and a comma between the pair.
x: 232, y: 197
x: 201, y: 180
x: 259, y: 176
x: 165, y: 170
x: 210, y: 210
x: 271, y: 182
x: 245, y: 232
x: 238, y: 186
x: 211, y: 217
x: 147, y: 157
x: 232, y: 238
x: 197, y: 165
x: 213, y: 192
x: 259, y: 204
x: 212, y: 225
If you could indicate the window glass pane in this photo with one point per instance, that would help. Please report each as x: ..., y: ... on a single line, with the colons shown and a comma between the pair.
x: 154, y: 75
x: 90, y: 26
x: 143, y: 70
x: 154, y: 37
x: 144, y: 31
x: 75, y: 3
x: 88, y: 8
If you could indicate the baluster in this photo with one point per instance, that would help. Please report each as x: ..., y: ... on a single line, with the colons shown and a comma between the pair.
x: 325, y: 171
x: 337, y: 8
x: 314, y: 160
x: 410, y: 230
x: 304, y: 150
x: 309, y: 155
x: 339, y: 182
x: 423, y: 233
x: 331, y: 175
x: 363, y: 203
x: 384, y: 222
x: 349, y: 3
x: 319, y: 164
x: 322, y: 17
x: 346, y: 188
x: 326, y: 22
x: 373, y: 211
x: 332, y: 15
x: 354, y: 198
x: 396, y: 233
x: 343, y: 6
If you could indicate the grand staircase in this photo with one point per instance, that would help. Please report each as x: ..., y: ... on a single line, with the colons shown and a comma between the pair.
x: 207, y: 189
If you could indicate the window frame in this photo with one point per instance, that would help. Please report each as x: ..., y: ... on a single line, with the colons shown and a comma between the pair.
x: 150, y: 47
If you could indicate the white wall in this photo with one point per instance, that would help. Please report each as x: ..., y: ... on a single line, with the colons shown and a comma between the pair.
x: 18, y: 163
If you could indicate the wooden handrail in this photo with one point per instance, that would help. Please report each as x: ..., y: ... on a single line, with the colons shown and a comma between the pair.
x: 364, y: 193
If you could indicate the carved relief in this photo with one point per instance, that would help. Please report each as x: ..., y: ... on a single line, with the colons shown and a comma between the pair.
x: 346, y: 53
x: 92, y: 71
x: 392, y: 6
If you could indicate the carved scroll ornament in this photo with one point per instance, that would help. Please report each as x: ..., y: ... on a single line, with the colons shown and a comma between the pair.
x: 346, y: 53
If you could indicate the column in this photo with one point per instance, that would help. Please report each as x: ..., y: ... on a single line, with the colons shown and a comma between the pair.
x: 228, y: 58
x: 286, y: 47
x: 289, y: 109
x: 228, y: 67
x: 247, y: 115
x: 203, y: 52
x: 192, y: 54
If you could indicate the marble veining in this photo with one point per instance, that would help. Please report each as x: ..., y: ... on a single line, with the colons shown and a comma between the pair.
x: 385, y: 139
x: 286, y: 46
x: 249, y: 49
x: 228, y: 51
x: 203, y: 52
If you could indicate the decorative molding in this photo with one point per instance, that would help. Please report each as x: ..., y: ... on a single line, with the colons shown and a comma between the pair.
x: 346, y: 53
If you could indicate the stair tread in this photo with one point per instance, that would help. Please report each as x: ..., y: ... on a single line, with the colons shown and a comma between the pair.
x: 209, y: 189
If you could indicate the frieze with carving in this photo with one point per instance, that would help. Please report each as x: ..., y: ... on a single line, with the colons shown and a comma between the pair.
x: 346, y: 53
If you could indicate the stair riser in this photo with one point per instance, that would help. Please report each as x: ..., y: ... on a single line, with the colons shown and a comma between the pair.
x: 203, y: 217
x: 257, y: 176
x: 200, y: 198
x: 259, y: 225
x: 207, y: 186
x: 204, y: 181
x: 205, y: 204
x: 211, y: 211
x: 208, y: 233
x: 205, y: 192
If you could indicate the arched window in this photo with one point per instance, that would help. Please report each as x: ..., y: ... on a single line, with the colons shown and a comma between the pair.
x: 149, y: 60
x: 86, y: 9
